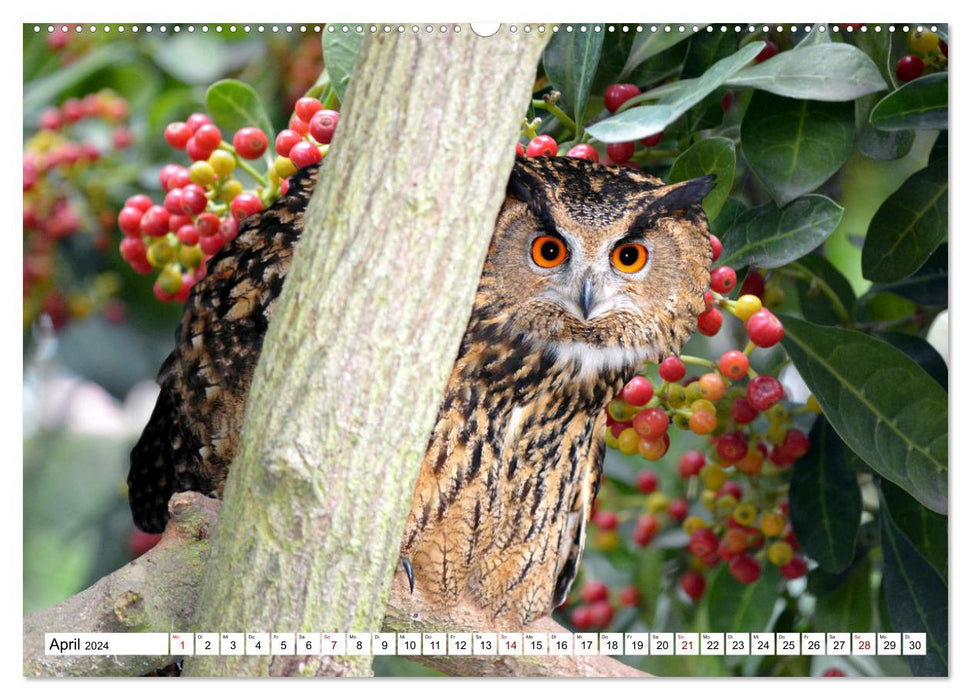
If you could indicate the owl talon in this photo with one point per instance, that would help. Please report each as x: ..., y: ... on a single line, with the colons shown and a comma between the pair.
x: 406, y: 565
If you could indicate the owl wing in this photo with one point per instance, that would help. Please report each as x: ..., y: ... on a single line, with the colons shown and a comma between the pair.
x: 583, y: 499
x: 193, y: 433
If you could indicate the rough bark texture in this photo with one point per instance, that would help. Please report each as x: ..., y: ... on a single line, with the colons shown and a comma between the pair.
x: 158, y: 592
x: 364, y: 335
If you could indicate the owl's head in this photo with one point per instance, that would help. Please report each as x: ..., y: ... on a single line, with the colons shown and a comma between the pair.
x: 599, y: 265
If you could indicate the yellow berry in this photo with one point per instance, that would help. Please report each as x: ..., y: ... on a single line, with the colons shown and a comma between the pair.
x: 628, y: 440
x: 744, y: 513
x: 692, y: 523
x: 712, y: 476
x: 170, y: 279
x: 223, y: 162
x: 202, y: 174
x: 813, y: 405
x: 160, y: 253
x: 776, y: 433
x: 780, y: 553
x: 747, y: 306
x: 772, y: 524
x: 620, y: 410
x: 189, y: 257
x: 923, y: 42
x: 284, y: 167
x: 681, y: 421
x: 693, y: 391
x: 612, y: 441
x: 708, y: 498
x: 229, y: 190
x: 606, y: 540
x: 726, y: 501
x: 657, y: 502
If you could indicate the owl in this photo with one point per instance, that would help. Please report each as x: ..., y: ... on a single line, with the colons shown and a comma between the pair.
x: 591, y: 272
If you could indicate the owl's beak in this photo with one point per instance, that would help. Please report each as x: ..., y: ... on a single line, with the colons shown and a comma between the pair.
x: 587, y: 298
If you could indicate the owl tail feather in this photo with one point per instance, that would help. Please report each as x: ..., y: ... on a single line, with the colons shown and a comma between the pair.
x: 151, y: 478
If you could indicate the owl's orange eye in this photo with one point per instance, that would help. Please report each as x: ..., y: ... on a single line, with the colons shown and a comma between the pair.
x: 629, y: 258
x: 548, y: 251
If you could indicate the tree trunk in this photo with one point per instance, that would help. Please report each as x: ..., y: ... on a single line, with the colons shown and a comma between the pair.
x: 364, y: 335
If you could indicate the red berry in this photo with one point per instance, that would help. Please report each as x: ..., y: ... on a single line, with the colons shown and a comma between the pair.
x: 734, y: 364
x: 139, y: 201
x: 192, y: 200
x: 177, y: 135
x: 795, y: 568
x: 584, y: 151
x: 50, y: 119
x: 173, y: 201
x: 620, y: 152
x: 286, y: 140
x: 629, y: 596
x: 731, y: 447
x: 638, y: 391
x: 764, y: 328
x: 208, y: 224
x: 581, y: 617
x: 795, y: 444
x: 284, y: 186
x: 723, y: 279
x: 833, y: 673
x: 726, y: 101
x: 196, y: 120
x: 140, y: 542
x: 693, y: 584
x: 299, y: 125
x: 606, y: 520
x: 196, y: 151
x: 709, y: 299
x: 651, y: 423
x: 120, y: 138
x: 942, y: 45
x: 602, y: 612
x: 167, y: 172
x: 304, y: 154
x: 645, y: 529
x: 155, y: 222
x: 768, y: 51
x: 745, y: 568
x: 520, y: 151
x: 250, y: 143
x: 653, y: 450
x: 129, y: 221
x: 703, y: 542
x: 742, y: 411
x: 678, y: 509
x: 909, y: 68
x: 72, y: 110
x: 672, y: 369
x: 542, y: 145
x: 709, y: 322
x: 617, y: 94
x: 652, y: 140
x: 245, y: 204
x: 594, y: 591
x: 211, y: 244
x: 690, y: 464
x: 716, y: 247
x: 188, y: 235
x: 753, y: 284
x: 647, y: 481
x: 323, y: 125
x: 763, y: 392
x: 228, y: 229
x: 307, y: 107
x: 132, y: 249
x: 208, y: 137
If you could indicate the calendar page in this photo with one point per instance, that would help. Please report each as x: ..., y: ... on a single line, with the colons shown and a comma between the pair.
x: 516, y: 349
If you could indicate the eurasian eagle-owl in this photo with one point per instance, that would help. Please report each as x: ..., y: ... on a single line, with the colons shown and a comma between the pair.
x: 592, y: 270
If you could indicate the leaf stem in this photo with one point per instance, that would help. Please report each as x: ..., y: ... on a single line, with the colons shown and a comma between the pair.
x: 553, y: 109
x: 243, y: 165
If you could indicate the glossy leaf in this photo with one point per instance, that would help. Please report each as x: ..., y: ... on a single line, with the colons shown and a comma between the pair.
x: 884, y: 406
x: 639, y: 122
x: 706, y: 48
x: 234, y: 104
x: 877, y: 143
x: 908, y: 226
x: 827, y: 72
x: 824, y: 500
x: 794, y: 146
x: 926, y: 530
x: 848, y: 606
x: 648, y: 44
x: 919, y: 104
x: 731, y: 211
x: 927, y: 286
x: 340, y: 52
x: 767, y: 236
x: 916, y: 597
x: 920, y: 351
x: 570, y: 61
x: 736, y: 607
x: 816, y: 304
x: 714, y: 156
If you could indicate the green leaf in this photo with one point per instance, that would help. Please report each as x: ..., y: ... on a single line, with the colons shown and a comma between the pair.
x: 199, y: 59
x: 768, y: 236
x: 816, y: 305
x: 794, y: 146
x: 927, y: 286
x: 849, y: 607
x: 736, y: 607
x: 916, y: 597
x: 816, y: 37
x: 884, y: 406
x: 732, y: 209
x: 714, y: 156
x: 825, y: 502
x: 234, y: 104
x: 648, y: 44
x: 926, y: 530
x: 920, y: 351
x: 340, y: 52
x: 639, y: 122
x: 706, y: 48
x: 919, y: 104
x: 908, y: 227
x: 826, y: 72
x: 876, y: 143
x: 879, y: 47
x: 41, y: 93
x: 570, y: 62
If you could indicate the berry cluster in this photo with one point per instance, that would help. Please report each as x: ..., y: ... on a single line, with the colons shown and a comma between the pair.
x: 64, y: 166
x: 730, y: 497
x: 928, y: 55
x: 204, y: 203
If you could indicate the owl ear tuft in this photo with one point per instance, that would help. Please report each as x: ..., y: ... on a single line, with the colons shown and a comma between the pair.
x: 524, y: 183
x: 682, y: 195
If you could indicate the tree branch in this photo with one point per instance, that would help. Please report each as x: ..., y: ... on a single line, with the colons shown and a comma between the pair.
x: 158, y: 592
